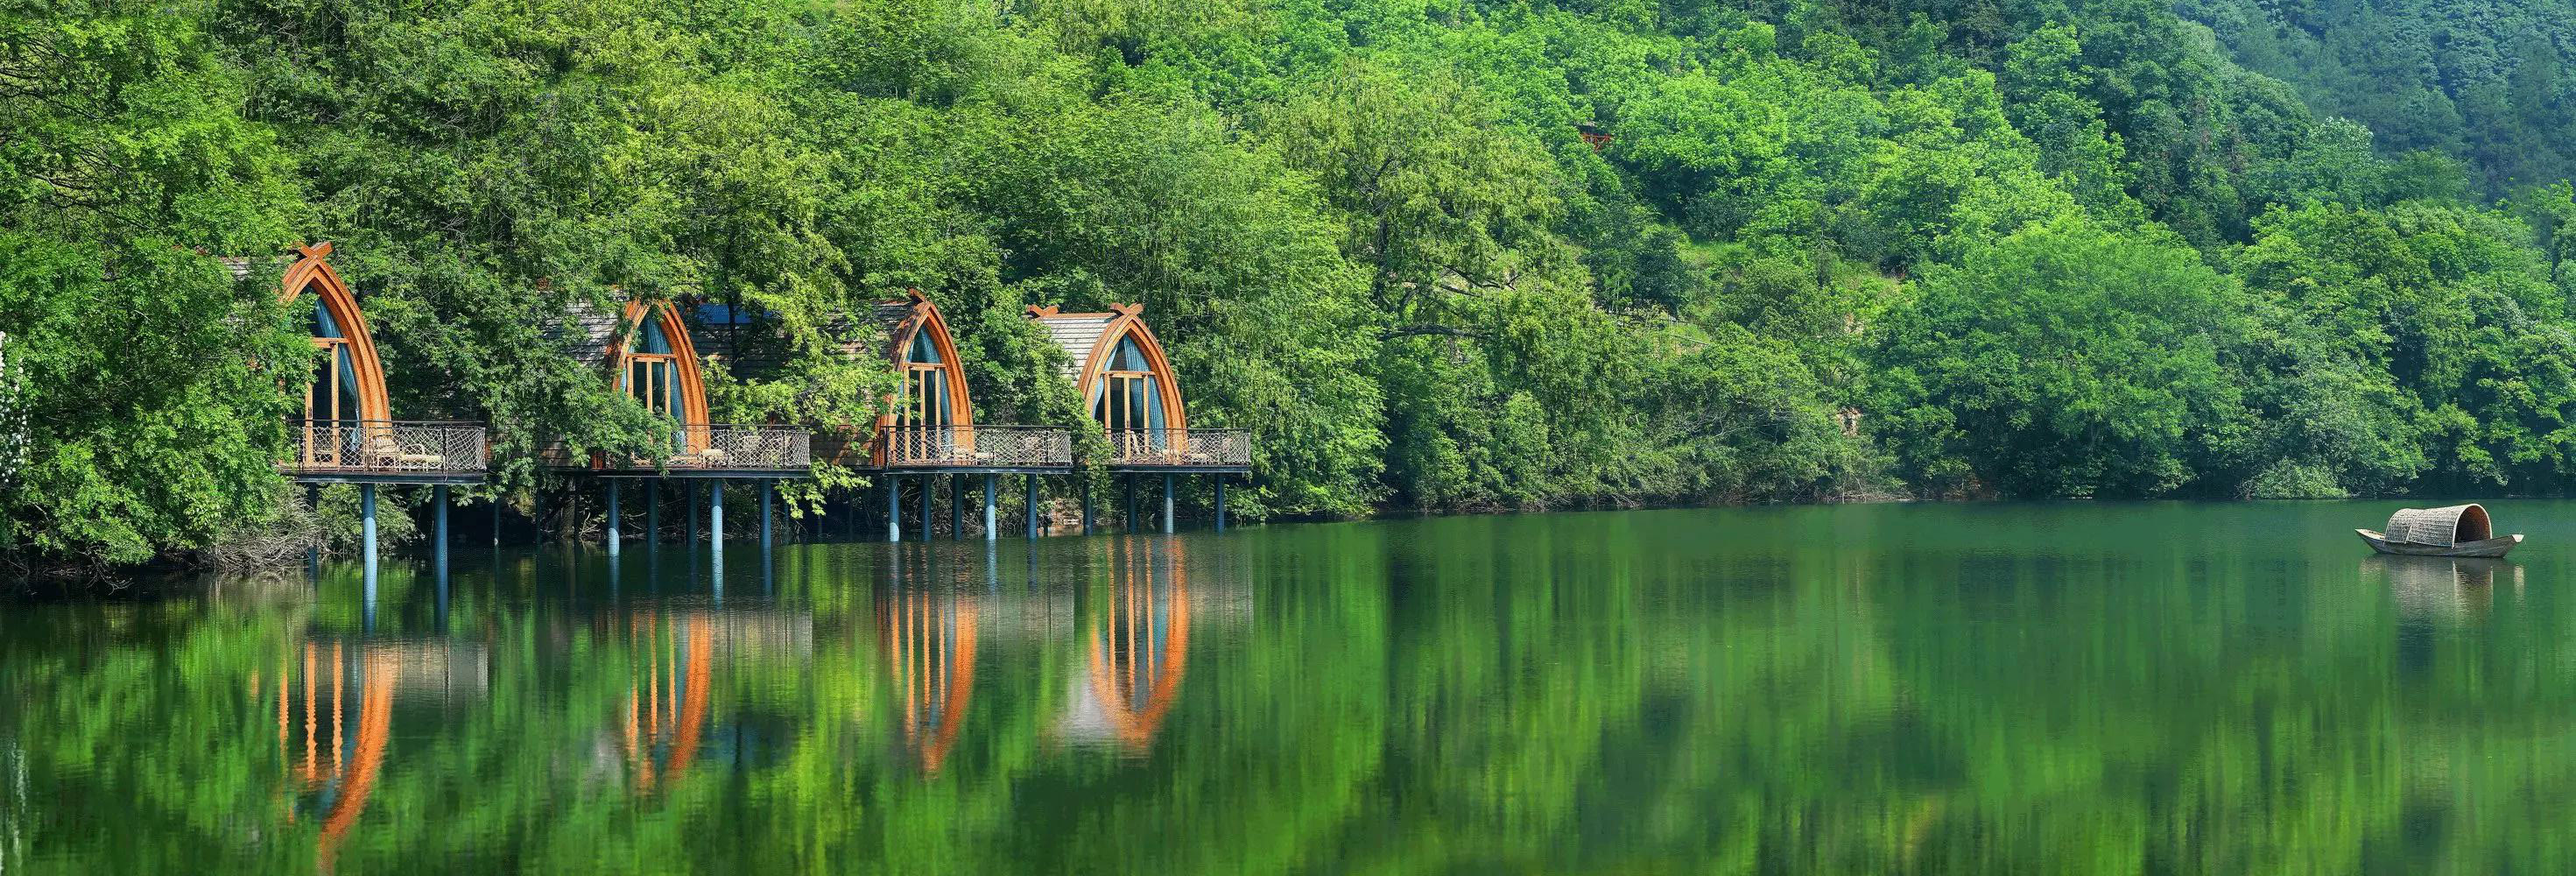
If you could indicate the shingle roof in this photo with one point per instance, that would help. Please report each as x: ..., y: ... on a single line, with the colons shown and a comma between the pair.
x: 592, y: 331
x: 1077, y: 333
x: 748, y: 341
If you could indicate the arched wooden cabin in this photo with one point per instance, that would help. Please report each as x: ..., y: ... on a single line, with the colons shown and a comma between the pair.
x: 345, y: 429
x: 1118, y: 368
x: 646, y: 350
x: 928, y: 422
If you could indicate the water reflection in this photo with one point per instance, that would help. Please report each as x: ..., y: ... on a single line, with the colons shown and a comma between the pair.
x: 1135, y: 646
x: 1865, y: 690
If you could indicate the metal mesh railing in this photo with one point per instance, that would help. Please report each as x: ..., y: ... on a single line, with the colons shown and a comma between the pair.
x: 1180, y: 447
x: 727, y: 446
x: 384, y: 446
x: 700, y: 446
x: 999, y: 446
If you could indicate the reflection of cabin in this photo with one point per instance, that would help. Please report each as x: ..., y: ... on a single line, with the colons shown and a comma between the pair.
x: 929, y: 641
x: 643, y: 348
x: 345, y: 430
x: 1118, y: 369
x: 338, y: 704
x: 1135, y: 646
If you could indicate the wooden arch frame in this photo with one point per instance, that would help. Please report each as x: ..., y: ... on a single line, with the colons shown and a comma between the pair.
x: 313, y: 270
x: 1126, y: 320
x: 693, y: 388
x: 926, y: 316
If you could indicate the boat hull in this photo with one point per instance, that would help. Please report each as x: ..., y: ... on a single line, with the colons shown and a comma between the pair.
x: 2493, y: 547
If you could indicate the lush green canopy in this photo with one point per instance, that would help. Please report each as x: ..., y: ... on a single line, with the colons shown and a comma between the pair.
x: 1818, y: 250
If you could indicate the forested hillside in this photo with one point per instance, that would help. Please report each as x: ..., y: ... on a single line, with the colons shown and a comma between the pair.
x: 2486, y: 81
x: 1815, y: 249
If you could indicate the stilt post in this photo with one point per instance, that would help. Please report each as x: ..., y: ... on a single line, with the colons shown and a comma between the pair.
x: 894, y: 508
x: 715, y: 522
x: 767, y: 487
x: 1030, y: 508
x: 1168, y: 480
x: 438, y: 550
x: 614, y: 537
x: 988, y: 507
x: 367, y: 516
x: 1086, y: 504
x: 1220, y: 503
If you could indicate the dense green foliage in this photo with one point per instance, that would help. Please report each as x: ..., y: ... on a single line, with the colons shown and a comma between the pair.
x: 2487, y: 81
x: 1827, y: 249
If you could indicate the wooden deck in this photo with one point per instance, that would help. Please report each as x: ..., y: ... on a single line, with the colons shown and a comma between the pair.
x: 385, y: 452
x: 1181, y: 450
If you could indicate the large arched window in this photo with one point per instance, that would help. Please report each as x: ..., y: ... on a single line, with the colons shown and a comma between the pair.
x: 333, y: 394
x: 1128, y: 394
x: 656, y: 365
x: 925, y: 399
x: 653, y: 372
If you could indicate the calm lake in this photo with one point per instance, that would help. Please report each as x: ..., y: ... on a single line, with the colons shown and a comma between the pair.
x: 2049, y: 688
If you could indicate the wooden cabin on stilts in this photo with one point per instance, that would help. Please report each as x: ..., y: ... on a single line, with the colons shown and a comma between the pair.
x: 345, y: 431
x: 929, y: 430
x: 645, y: 349
x: 1119, y: 370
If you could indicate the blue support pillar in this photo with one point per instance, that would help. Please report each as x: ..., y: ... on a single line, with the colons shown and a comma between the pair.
x: 313, y: 549
x: 1167, y: 504
x: 1086, y: 504
x: 715, y: 520
x: 766, y: 489
x: 613, y: 536
x: 1220, y: 503
x: 367, y: 514
x: 438, y: 550
x: 988, y: 508
x: 1030, y: 507
x: 894, y: 509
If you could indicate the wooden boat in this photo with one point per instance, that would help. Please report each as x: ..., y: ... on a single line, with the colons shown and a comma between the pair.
x: 2456, y: 531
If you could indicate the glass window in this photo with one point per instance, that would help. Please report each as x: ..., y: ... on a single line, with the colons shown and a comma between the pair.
x: 649, y: 338
x: 923, y: 350
x: 323, y: 325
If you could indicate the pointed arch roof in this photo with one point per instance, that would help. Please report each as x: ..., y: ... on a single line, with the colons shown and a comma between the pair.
x: 1088, y: 339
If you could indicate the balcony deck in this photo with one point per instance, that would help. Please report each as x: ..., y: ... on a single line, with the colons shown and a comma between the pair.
x: 385, y: 452
x: 703, y: 450
x: 1181, y: 451
x: 960, y: 450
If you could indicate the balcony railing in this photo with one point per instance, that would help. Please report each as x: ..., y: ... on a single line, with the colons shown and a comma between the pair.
x: 974, y: 446
x: 1181, y: 448
x: 706, y: 447
x: 384, y: 447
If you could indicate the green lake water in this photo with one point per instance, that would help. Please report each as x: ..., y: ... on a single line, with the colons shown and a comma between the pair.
x: 2009, y: 688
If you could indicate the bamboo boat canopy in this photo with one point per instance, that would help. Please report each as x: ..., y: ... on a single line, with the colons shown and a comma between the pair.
x: 2440, y: 526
